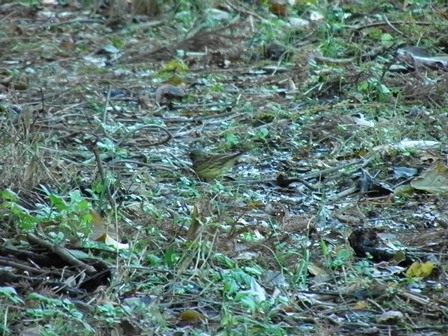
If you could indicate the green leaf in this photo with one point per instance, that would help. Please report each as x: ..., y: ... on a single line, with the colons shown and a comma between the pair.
x: 9, y: 195
x: 11, y: 294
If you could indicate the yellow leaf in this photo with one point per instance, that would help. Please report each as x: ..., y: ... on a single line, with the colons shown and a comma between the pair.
x: 420, y: 270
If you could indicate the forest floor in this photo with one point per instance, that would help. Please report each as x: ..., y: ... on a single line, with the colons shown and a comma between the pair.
x: 333, y: 221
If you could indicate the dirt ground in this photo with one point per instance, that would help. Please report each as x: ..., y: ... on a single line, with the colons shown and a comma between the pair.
x: 333, y: 221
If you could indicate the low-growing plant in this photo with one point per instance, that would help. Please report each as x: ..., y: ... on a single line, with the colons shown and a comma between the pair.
x: 62, y: 217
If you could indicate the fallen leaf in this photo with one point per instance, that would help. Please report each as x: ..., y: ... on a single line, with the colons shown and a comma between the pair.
x: 109, y: 241
x: 420, y: 270
x: 433, y: 180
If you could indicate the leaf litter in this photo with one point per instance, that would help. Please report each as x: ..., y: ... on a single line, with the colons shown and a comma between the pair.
x: 304, y: 236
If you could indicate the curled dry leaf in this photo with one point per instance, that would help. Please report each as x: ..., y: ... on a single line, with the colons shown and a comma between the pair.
x: 434, y: 180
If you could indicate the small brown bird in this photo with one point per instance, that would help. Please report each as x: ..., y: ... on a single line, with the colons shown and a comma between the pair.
x: 209, y: 166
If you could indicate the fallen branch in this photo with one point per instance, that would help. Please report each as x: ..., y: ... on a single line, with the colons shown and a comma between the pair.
x: 62, y: 252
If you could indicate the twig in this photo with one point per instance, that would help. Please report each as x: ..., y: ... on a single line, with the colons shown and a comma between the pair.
x: 392, y: 26
x: 106, y: 105
x: 164, y: 141
x: 62, y: 252
x: 243, y: 10
x: 115, y: 163
x: 362, y: 162
x: 77, y: 21
x: 344, y: 193
x: 375, y: 24
x: 24, y: 267
x: 104, y: 180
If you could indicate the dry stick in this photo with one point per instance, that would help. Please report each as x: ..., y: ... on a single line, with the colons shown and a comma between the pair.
x: 168, y: 135
x: 100, y: 21
x: 42, y: 100
x: 106, y: 105
x: 392, y: 26
x: 34, y: 120
x: 7, y: 16
x: 243, y: 10
x: 115, y: 163
x: 25, y: 268
x: 414, y: 298
x: 99, y: 128
x: 99, y: 164
x: 107, y: 186
x: 305, y: 183
x: 199, y: 105
x: 61, y: 252
x: 375, y: 24
x: 51, y: 96
x: 362, y: 162
x: 344, y: 193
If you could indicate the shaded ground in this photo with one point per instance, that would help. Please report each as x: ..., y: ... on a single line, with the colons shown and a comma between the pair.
x: 106, y: 228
